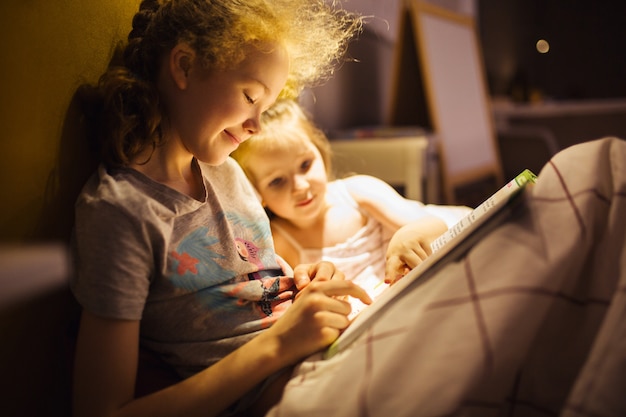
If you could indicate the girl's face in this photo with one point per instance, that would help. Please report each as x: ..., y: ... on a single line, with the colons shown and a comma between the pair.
x: 218, y: 110
x: 291, y: 179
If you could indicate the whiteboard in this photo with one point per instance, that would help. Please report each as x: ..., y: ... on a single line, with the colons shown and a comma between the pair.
x: 456, y: 94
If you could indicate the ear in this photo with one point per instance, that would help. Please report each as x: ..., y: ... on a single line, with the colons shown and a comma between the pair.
x: 181, y: 61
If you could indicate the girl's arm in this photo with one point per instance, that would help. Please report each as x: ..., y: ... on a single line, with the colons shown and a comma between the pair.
x: 107, y: 355
x: 413, y: 227
x: 106, y: 366
x: 384, y: 203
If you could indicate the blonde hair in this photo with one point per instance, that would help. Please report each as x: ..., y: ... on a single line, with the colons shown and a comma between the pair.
x: 129, y: 112
x: 284, y: 122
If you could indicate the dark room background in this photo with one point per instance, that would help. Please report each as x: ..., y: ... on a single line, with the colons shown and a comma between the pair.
x: 587, y: 56
x: 586, y: 59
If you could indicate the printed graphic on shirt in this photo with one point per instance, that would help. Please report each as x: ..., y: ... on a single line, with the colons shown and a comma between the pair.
x: 253, y: 283
x: 195, y: 264
x: 249, y: 234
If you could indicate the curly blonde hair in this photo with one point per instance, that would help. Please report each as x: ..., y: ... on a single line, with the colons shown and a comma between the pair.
x: 284, y: 122
x: 315, y: 34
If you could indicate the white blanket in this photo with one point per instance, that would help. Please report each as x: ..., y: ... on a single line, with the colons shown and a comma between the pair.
x: 531, y: 322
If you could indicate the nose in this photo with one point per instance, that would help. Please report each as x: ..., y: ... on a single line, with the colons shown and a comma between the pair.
x: 300, y: 182
x: 252, y: 125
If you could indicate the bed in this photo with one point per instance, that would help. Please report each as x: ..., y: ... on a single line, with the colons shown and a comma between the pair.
x: 530, y: 322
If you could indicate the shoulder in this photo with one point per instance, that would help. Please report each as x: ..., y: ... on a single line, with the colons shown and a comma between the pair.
x: 366, y: 187
x: 106, y: 188
x: 122, y: 193
x: 361, y: 181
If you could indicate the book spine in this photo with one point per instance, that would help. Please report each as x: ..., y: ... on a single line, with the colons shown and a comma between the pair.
x: 502, y: 194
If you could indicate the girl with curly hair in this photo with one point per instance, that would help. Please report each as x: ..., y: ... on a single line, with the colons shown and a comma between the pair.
x: 174, y: 253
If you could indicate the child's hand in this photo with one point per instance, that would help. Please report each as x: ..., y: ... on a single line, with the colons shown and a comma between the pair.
x: 410, y: 245
x: 407, y: 249
x: 404, y: 254
x: 321, y: 271
x: 319, y: 314
x: 303, y: 274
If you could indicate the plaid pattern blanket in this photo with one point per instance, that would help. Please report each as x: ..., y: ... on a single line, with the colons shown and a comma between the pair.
x: 530, y: 322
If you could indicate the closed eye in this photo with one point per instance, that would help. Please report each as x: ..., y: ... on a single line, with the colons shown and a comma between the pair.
x: 249, y: 99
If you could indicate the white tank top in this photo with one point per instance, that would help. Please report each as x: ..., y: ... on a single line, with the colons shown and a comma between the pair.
x: 361, y: 257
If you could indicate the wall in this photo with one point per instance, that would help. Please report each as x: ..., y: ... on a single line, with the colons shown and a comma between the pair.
x: 47, y: 48
x: 360, y: 92
x: 586, y: 58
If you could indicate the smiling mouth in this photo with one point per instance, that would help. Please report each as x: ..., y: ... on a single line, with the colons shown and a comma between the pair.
x: 233, y: 138
x: 305, y: 202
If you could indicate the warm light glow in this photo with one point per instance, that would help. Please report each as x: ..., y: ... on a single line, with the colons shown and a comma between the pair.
x: 542, y: 46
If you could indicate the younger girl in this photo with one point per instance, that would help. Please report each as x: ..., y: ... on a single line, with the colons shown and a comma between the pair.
x: 173, y: 251
x: 347, y: 221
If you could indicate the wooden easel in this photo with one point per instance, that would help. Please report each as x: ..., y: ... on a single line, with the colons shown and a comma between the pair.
x: 440, y: 85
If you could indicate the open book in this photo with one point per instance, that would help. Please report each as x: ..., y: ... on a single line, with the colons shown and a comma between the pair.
x: 450, y: 246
